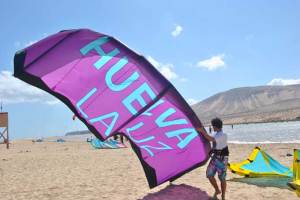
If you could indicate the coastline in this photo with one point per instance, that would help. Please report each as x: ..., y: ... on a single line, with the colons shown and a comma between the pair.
x: 258, y: 122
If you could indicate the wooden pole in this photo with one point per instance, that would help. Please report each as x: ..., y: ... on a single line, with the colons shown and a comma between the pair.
x: 4, y: 123
x: 7, y: 140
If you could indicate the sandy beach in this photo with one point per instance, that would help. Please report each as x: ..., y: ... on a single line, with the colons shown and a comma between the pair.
x: 74, y: 170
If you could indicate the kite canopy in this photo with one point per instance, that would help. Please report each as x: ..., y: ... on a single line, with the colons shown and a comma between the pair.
x: 295, y: 184
x: 259, y: 164
x: 114, y: 90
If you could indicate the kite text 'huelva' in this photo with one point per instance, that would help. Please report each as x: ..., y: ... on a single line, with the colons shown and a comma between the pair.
x: 133, y: 102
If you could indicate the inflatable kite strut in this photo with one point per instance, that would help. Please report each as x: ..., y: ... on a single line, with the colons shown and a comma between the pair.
x: 259, y: 164
x: 112, y: 89
x: 295, y: 184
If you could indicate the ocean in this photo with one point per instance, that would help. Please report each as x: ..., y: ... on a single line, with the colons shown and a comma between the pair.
x: 277, y: 132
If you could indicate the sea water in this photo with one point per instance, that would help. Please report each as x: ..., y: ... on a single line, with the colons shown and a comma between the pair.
x: 277, y: 132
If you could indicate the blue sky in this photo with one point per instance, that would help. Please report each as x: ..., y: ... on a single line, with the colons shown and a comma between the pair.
x: 202, y: 47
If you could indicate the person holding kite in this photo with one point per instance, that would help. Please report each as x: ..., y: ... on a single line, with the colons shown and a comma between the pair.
x: 219, y: 156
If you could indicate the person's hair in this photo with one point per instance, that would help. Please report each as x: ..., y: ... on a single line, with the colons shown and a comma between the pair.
x: 217, y: 122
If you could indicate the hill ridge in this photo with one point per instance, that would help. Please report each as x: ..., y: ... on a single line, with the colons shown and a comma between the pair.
x: 252, y: 104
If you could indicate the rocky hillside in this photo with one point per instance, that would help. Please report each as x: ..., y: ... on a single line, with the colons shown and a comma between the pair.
x: 252, y: 104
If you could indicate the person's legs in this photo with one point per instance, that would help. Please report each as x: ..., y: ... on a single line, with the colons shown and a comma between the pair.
x: 213, y: 181
x: 210, y: 174
x: 222, y: 172
x: 223, y: 188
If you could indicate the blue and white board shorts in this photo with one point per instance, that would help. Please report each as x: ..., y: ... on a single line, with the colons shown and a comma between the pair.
x: 219, y: 165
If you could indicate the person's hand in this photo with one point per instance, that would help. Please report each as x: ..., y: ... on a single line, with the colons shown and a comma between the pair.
x: 201, y: 130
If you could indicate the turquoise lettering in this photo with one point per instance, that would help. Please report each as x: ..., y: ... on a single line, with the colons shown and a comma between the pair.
x: 114, y: 69
x: 137, y: 95
x: 147, y: 112
x: 183, y: 142
x: 96, y: 45
x: 135, y: 127
x: 84, y: 99
x: 148, y: 147
x: 110, y: 126
x: 160, y: 121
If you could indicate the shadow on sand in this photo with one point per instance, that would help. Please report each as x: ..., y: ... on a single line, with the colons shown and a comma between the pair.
x: 278, y: 182
x: 182, y: 191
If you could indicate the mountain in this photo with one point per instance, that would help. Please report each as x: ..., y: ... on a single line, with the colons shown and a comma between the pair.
x: 252, y: 104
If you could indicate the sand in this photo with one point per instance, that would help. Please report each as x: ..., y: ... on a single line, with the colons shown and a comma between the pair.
x: 74, y: 170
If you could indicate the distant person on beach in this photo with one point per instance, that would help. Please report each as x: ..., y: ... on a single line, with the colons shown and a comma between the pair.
x: 219, y: 156
x: 209, y: 128
x: 121, y: 138
x: 115, y: 137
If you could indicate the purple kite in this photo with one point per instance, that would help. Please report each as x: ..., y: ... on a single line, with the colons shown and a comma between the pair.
x: 114, y: 90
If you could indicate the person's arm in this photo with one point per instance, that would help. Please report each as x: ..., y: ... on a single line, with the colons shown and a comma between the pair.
x: 205, y: 134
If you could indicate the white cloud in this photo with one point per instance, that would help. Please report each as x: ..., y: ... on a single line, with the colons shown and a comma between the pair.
x: 166, y: 69
x: 280, y: 81
x: 192, y: 101
x: 177, y: 31
x: 30, y: 43
x: 213, y: 63
x: 13, y: 90
x: 19, y: 44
